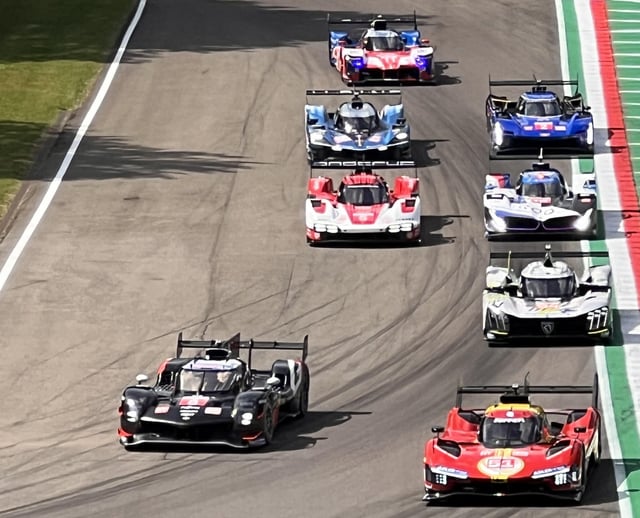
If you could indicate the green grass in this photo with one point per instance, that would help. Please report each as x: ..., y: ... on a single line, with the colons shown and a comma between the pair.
x: 50, y: 54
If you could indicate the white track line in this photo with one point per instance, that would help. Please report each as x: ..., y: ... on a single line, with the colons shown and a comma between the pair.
x: 15, y: 254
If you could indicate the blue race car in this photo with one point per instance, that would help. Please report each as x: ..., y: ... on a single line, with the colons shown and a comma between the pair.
x: 538, y: 119
x: 356, y: 129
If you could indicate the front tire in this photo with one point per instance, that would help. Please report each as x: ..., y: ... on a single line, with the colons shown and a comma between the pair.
x: 268, y: 424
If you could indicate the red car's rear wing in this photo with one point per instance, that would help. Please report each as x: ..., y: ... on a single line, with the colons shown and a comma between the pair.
x: 410, y: 19
x: 520, y: 393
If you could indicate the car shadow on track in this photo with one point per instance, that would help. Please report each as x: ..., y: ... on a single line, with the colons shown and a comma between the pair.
x: 291, y: 434
x: 601, y: 489
x: 421, y: 149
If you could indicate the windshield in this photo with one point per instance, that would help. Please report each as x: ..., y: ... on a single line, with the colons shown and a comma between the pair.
x: 562, y: 287
x: 382, y: 43
x: 545, y: 189
x: 364, y: 195
x: 547, y: 108
x: 358, y: 124
x: 504, y: 432
x: 192, y: 382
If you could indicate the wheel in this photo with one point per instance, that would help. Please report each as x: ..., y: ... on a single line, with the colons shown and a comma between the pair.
x: 303, y: 400
x: 268, y: 424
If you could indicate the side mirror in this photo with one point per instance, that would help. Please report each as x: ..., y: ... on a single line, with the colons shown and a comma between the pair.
x: 272, y: 382
x: 580, y: 429
x: 437, y: 429
x: 425, y: 41
x: 142, y: 378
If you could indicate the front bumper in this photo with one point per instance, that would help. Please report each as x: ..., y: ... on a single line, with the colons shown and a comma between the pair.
x: 327, y: 233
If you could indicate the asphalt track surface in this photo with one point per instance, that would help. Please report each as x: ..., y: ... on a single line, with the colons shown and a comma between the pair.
x: 183, y: 210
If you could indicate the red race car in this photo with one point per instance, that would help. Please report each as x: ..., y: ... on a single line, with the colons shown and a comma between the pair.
x: 373, y: 52
x: 514, y: 447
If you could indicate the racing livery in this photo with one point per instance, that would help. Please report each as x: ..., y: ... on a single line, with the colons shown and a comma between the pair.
x: 547, y: 300
x: 540, y: 202
x: 538, y: 118
x: 356, y: 129
x: 363, y: 206
x: 215, y: 397
x: 373, y: 52
x: 514, y: 447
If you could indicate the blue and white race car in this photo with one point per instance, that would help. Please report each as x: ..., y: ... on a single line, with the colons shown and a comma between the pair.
x: 539, y: 118
x: 356, y: 129
x: 540, y: 202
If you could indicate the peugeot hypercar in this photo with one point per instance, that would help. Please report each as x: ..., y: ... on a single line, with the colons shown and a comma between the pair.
x: 547, y: 300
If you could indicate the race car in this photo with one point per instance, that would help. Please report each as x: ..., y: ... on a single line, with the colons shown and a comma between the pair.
x: 539, y: 118
x: 373, y: 52
x: 215, y: 398
x: 514, y: 447
x: 363, y: 206
x: 541, y: 202
x: 356, y: 129
x: 547, y: 300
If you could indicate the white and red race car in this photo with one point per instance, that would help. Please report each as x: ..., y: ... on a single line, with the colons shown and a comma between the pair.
x: 363, y: 206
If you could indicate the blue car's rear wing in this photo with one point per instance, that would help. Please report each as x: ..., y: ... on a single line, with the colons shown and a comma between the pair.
x: 377, y: 22
x: 537, y: 85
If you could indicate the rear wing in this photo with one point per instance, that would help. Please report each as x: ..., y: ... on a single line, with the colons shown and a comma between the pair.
x: 355, y: 165
x: 354, y: 92
x: 516, y: 393
x: 230, y: 348
x: 275, y: 345
x: 568, y: 254
x: 230, y: 345
x: 537, y: 85
x: 411, y: 20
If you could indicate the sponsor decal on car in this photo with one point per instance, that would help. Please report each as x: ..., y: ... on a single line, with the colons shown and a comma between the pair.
x: 500, y: 466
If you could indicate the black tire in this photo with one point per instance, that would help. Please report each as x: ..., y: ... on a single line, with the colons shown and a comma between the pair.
x: 303, y: 400
x: 268, y: 424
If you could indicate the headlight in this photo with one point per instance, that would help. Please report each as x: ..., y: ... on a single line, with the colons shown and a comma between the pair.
x: 590, y: 133
x: 557, y: 471
x: 498, y: 134
x: 133, y: 412
x: 498, y: 222
x: 246, y: 418
x: 316, y: 136
x: 497, y: 322
x: 402, y: 135
x: 598, y: 319
x: 583, y: 223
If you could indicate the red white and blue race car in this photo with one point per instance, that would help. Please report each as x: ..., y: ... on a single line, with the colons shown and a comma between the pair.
x: 373, y: 52
x: 363, y: 206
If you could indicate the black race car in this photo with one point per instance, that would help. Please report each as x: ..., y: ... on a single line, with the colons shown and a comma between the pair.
x: 215, y: 397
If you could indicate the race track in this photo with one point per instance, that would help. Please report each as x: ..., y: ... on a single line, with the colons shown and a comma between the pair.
x: 183, y: 210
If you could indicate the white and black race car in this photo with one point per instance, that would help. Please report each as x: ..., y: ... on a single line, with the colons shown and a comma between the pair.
x: 547, y: 299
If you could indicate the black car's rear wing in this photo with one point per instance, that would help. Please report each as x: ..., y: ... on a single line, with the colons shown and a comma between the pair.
x: 377, y: 22
x: 520, y: 393
x: 231, y: 345
x: 537, y: 85
x: 230, y: 348
x: 275, y: 345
